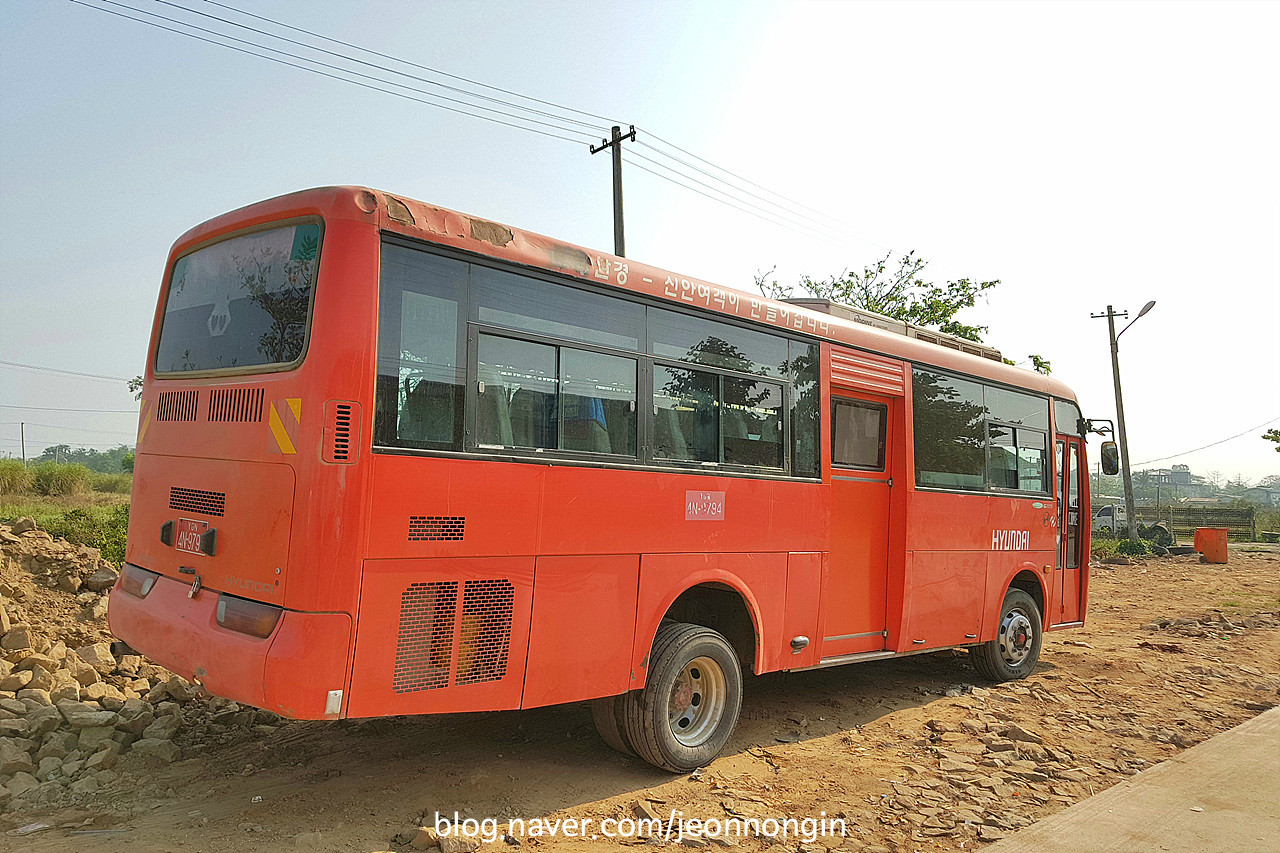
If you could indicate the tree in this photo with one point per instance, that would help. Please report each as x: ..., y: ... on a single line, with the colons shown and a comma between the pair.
x: 135, y: 387
x: 104, y: 461
x: 1271, y: 481
x: 1273, y: 435
x: 900, y: 292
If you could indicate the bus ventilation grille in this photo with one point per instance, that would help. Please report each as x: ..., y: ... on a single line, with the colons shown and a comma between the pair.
x: 431, y: 528
x: 339, y: 445
x: 424, y: 649
x: 177, y: 405
x: 485, y: 636
x: 426, y: 658
x: 197, y: 500
x: 236, y: 405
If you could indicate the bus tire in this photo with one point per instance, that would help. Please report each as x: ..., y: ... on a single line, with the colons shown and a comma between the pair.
x: 1016, y: 649
x: 606, y: 713
x: 690, y: 702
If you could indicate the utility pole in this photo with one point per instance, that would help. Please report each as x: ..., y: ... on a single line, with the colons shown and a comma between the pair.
x: 1115, y: 377
x: 22, y: 432
x: 619, y: 245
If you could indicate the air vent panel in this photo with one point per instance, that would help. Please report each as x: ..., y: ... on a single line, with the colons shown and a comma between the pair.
x: 424, y: 647
x: 197, y: 500
x: 434, y: 528
x: 341, y: 432
x: 177, y: 405
x: 485, y: 636
x: 236, y: 405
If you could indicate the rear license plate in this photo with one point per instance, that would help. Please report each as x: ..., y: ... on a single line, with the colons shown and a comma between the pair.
x: 188, y: 535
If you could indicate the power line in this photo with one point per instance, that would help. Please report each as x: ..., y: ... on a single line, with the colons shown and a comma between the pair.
x: 595, y: 126
x: 604, y: 119
x: 60, y: 409
x: 326, y: 65
x: 763, y: 216
x: 322, y: 73
x: 69, y: 429
x: 745, y: 180
x: 1205, y: 447
x: 592, y: 125
x: 789, y: 211
x: 58, y: 370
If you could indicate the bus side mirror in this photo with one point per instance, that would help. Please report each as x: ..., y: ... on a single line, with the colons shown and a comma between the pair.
x: 1110, y: 458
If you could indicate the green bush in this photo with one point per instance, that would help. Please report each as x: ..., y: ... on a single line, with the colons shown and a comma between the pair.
x: 54, y: 478
x: 1130, y: 548
x: 15, y: 477
x: 116, y: 484
x: 104, y: 528
x: 1104, y: 533
x: 1104, y: 547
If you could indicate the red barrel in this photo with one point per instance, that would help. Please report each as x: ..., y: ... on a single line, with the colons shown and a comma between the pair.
x: 1212, y: 542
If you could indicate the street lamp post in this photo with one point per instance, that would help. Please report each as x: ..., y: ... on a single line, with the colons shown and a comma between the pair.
x: 1115, y: 376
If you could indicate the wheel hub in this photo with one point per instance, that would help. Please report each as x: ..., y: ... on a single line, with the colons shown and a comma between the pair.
x: 697, y: 701
x: 1016, y: 633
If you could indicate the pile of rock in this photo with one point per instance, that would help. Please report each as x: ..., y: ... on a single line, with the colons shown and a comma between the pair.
x: 990, y: 774
x: 66, y: 715
x: 1216, y: 624
x: 70, y: 711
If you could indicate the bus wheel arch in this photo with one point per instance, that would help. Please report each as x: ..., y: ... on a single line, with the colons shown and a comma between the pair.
x: 1029, y: 582
x: 724, y: 609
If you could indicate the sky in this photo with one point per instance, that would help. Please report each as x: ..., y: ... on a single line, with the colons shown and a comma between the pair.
x: 1084, y: 154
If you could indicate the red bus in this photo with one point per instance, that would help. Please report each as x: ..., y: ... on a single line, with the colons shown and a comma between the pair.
x: 393, y: 459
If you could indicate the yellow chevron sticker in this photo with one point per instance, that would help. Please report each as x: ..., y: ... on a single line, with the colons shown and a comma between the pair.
x: 144, y: 420
x: 285, y: 421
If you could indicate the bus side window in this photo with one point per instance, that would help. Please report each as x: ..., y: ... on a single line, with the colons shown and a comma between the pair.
x: 420, y: 319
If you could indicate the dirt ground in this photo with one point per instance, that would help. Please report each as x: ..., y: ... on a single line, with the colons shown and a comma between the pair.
x: 911, y: 754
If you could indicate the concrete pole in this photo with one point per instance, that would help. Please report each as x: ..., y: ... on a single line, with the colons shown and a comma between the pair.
x: 1124, y: 440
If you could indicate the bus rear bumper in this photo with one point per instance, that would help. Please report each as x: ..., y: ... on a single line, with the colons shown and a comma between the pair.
x: 299, y: 671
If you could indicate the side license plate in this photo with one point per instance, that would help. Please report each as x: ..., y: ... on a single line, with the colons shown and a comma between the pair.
x: 187, y: 536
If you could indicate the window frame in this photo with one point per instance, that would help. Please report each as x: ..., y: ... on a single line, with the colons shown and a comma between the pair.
x: 988, y: 488
x: 471, y: 405
x: 722, y: 373
x: 883, y: 409
x: 273, y: 367
x: 646, y: 361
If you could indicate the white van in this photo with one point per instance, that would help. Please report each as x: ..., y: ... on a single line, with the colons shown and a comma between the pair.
x: 1111, y: 517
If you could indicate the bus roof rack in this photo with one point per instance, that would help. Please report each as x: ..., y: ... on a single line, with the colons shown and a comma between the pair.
x: 898, y: 327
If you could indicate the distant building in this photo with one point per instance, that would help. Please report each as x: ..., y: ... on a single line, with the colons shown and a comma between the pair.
x: 1262, y: 497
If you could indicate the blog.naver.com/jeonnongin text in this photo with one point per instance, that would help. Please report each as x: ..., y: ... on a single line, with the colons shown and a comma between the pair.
x: 673, y: 827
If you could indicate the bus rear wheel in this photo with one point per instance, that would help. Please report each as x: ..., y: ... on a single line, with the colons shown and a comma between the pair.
x: 606, y: 713
x: 1016, y: 649
x: 689, y: 706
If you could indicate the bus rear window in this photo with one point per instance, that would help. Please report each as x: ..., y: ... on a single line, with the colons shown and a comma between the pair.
x: 241, y: 303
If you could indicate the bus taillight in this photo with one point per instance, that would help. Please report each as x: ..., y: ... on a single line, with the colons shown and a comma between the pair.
x: 247, y: 617
x: 137, y: 582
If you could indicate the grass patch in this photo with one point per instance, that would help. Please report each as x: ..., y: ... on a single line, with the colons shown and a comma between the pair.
x: 54, y: 478
x: 111, y: 484
x: 98, y: 520
x: 14, y: 477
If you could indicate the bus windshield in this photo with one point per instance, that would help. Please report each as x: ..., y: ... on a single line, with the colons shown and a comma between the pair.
x: 241, y: 303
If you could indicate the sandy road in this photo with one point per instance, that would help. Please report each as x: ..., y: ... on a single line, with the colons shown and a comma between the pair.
x: 879, y: 746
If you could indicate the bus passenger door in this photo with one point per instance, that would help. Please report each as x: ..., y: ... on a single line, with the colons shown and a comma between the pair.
x: 855, y: 599
x: 1066, y: 606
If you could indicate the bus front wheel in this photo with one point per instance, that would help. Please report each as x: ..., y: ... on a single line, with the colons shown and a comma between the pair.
x: 1016, y: 648
x: 684, y: 715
